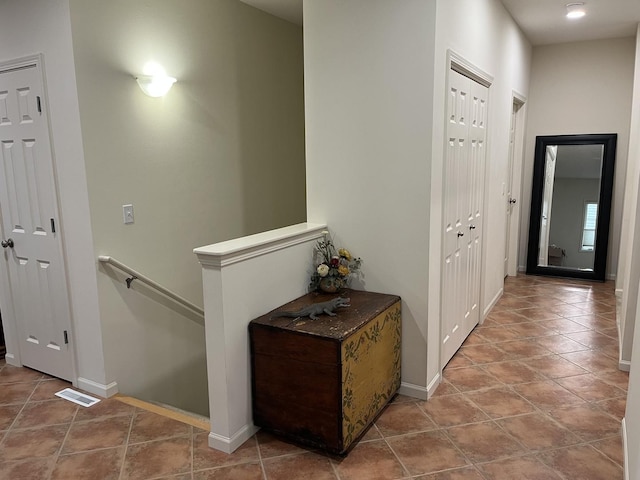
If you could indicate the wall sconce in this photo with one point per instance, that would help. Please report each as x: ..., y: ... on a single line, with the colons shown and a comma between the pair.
x: 576, y: 10
x: 155, y: 85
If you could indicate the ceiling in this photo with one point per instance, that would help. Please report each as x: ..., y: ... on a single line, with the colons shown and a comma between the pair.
x: 542, y: 21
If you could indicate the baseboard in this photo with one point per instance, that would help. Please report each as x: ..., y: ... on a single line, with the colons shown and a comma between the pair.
x: 10, y: 358
x: 618, y: 292
x: 522, y: 268
x: 105, y: 391
x: 230, y: 444
x: 415, y: 391
x: 433, y: 384
x: 624, y: 365
x: 611, y: 276
x: 625, y: 449
x: 492, y: 303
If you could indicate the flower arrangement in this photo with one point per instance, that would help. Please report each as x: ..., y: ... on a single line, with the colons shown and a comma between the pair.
x: 333, y: 267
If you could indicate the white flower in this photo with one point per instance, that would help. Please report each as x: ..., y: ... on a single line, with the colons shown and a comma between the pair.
x: 323, y: 270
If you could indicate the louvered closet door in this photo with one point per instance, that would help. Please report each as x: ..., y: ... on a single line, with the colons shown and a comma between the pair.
x: 28, y: 204
x: 463, y: 201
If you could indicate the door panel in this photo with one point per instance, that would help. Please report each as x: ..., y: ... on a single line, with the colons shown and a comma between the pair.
x: 509, y: 192
x: 463, y: 202
x: 28, y: 204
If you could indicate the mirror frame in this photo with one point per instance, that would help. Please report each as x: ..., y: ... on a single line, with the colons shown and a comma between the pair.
x: 608, y: 140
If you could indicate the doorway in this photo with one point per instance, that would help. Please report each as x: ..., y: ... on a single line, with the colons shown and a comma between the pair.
x: 513, y: 185
x: 463, y: 203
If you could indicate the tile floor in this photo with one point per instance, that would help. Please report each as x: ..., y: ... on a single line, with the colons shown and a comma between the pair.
x: 534, y: 393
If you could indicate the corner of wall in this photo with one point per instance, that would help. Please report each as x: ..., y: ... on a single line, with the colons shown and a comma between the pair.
x: 96, y: 388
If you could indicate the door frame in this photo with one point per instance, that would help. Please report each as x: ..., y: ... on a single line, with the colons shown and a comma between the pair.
x: 459, y: 64
x: 517, y: 182
x: 13, y: 356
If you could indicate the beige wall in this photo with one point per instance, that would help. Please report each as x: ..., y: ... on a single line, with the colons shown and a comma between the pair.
x: 580, y: 88
x: 221, y: 156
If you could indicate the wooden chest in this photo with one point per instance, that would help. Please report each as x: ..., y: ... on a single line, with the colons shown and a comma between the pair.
x: 322, y: 382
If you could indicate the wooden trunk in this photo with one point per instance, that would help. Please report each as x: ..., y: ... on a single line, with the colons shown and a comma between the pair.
x: 322, y: 382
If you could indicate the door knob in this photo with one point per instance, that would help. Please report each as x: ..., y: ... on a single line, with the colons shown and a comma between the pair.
x: 512, y: 201
x: 472, y: 227
x: 7, y: 243
x: 460, y: 234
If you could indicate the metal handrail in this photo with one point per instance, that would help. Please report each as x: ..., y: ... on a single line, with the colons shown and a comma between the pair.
x: 138, y: 276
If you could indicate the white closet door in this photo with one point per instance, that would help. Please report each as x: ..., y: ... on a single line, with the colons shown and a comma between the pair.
x: 463, y: 201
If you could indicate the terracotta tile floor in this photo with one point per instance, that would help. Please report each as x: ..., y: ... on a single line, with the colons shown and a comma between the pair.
x: 534, y: 393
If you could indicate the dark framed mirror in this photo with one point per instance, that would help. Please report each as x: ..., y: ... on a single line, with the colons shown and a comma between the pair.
x: 571, y: 205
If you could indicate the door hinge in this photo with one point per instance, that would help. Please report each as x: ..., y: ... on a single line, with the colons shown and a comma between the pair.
x: 39, y: 104
x: 53, y: 226
x: 66, y: 338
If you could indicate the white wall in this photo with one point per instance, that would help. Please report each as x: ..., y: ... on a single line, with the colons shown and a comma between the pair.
x: 35, y: 26
x: 630, y: 284
x: 375, y: 117
x: 368, y: 102
x: 581, y: 88
x: 567, y: 218
x: 629, y: 263
x: 221, y: 156
x: 484, y: 34
x: 631, y: 421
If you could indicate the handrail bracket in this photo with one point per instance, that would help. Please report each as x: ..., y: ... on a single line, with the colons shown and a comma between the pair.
x: 144, y: 279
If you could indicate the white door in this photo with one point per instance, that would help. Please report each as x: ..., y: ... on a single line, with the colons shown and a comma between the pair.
x: 509, y: 192
x: 547, y: 200
x: 463, y: 199
x: 30, y: 225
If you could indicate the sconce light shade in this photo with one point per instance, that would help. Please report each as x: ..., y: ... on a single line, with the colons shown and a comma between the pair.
x: 155, y: 85
x: 576, y: 10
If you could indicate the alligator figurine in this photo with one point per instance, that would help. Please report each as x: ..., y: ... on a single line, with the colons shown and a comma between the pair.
x: 312, y: 311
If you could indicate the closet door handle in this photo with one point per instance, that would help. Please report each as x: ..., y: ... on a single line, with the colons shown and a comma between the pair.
x: 460, y: 234
x: 472, y: 227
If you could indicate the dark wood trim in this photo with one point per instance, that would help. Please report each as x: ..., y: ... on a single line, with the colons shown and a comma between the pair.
x: 608, y: 140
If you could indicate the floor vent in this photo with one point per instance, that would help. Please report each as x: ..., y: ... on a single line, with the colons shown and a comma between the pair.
x: 77, y: 397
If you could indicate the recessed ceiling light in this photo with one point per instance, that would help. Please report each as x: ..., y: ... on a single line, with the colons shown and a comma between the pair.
x: 576, y: 10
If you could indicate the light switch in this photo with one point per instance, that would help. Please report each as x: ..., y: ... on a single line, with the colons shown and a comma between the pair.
x: 127, y: 214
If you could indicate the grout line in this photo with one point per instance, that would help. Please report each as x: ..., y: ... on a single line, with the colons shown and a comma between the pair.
x: 260, y: 462
x: 192, y: 436
x: 404, y: 467
x: 126, y: 443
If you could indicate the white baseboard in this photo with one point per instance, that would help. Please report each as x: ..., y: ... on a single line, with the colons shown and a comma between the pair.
x: 625, y: 449
x: 522, y: 268
x: 492, y: 304
x: 230, y: 444
x: 611, y: 276
x: 11, y: 359
x: 624, y: 365
x: 96, y: 388
x: 433, y: 384
x: 618, y: 292
x: 415, y: 391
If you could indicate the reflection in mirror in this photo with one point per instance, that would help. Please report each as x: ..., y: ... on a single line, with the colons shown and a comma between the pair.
x: 570, y: 205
